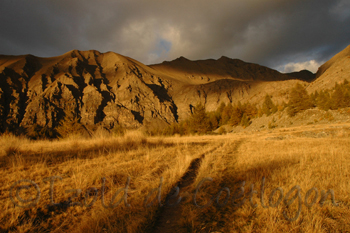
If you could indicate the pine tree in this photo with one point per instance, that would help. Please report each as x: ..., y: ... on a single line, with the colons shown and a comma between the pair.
x: 69, y: 124
x: 268, y: 106
x: 340, y: 96
x: 219, y: 112
x: 199, y: 120
x: 323, y: 100
x: 250, y: 110
x: 226, y: 114
x: 236, y: 115
x: 221, y: 108
x: 313, y: 98
x: 214, y: 119
x: 299, y: 100
x: 184, y: 127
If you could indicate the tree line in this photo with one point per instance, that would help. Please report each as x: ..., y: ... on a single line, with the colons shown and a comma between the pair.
x: 203, y: 122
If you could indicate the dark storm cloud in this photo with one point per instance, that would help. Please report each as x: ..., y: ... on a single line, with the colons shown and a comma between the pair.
x: 286, y: 34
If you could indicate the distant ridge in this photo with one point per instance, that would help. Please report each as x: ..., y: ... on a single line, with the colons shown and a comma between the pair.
x: 304, y: 75
x: 223, y: 68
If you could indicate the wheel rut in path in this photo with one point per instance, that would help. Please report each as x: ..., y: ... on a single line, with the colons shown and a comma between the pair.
x: 167, y: 220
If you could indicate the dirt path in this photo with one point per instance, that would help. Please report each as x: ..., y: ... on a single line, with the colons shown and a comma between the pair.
x: 167, y: 221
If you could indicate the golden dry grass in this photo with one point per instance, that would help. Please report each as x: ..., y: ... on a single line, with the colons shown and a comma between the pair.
x: 323, y: 163
x: 82, y: 164
x: 285, y: 157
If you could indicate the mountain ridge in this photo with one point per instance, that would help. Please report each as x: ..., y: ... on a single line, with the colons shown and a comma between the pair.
x: 109, y: 89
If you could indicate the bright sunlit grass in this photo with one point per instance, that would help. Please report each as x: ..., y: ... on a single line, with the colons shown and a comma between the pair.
x: 323, y: 163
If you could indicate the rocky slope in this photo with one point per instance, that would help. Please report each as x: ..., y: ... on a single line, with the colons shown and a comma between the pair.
x: 104, y: 89
x: 109, y: 89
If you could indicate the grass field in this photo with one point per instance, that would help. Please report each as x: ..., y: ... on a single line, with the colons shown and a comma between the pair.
x: 308, y: 156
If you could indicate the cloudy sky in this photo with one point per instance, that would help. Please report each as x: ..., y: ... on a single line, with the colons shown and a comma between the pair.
x: 286, y: 35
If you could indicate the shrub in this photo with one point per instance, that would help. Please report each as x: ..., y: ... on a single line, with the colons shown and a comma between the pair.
x: 118, y: 130
x: 245, y: 122
x: 222, y: 130
x: 329, y: 116
x: 271, y: 124
x: 69, y: 125
x: 36, y: 131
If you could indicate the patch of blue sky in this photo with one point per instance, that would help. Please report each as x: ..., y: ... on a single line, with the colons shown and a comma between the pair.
x: 164, y: 45
x: 160, y: 51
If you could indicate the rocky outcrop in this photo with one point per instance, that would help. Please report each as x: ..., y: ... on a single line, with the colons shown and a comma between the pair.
x: 105, y: 89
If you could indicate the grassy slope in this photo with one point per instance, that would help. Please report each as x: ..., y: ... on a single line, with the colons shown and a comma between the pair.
x: 286, y: 157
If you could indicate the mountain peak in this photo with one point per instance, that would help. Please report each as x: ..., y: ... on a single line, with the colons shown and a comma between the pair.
x: 224, y: 58
x: 181, y: 59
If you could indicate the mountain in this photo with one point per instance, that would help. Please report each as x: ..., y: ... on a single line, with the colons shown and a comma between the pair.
x: 108, y: 89
x: 105, y: 89
x: 223, y: 80
x: 304, y: 75
x: 333, y: 71
x: 204, y: 71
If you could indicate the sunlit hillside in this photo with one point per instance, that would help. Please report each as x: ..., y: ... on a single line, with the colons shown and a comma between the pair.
x: 283, y: 158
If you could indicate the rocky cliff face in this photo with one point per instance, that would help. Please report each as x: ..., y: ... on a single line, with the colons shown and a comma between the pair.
x: 105, y: 89
x: 109, y: 89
